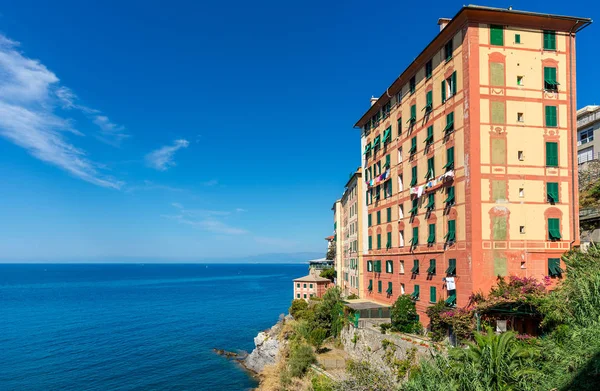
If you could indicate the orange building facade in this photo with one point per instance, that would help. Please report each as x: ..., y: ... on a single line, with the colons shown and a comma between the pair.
x: 469, y: 160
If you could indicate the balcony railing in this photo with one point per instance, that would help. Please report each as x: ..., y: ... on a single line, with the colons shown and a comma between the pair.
x: 588, y: 118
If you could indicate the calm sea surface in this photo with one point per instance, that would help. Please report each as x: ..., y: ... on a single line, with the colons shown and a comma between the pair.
x: 134, y: 327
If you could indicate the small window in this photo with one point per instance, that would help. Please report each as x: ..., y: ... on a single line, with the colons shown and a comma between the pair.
x: 401, y: 267
x: 520, y: 156
x: 401, y: 238
x: 520, y: 81
x: 379, y: 286
x: 517, y: 38
x: 305, y: 295
x: 400, y: 212
x: 521, y: 192
x: 549, y: 40
x: 400, y: 183
x: 298, y: 285
x: 497, y: 35
x: 298, y: 295
x: 310, y: 286
x: 428, y: 69
x: 389, y: 215
x: 304, y: 285
x: 402, y: 290
x: 448, y: 49
x: 378, y: 217
x: 412, y: 85
x: 519, y: 117
x: 523, y: 265
x: 522, y: 229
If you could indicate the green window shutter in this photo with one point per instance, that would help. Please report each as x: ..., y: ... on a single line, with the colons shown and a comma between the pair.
x: 378, y: 217
x: 496, y: 35
x: 415, y: 269
x: 399, y: 126
x: 389, y: 215
x: 549, y: 40
x: 429, y: 101
x: 417, y: 292
x: 413, y: 145
x: 413, y: 180
x: 428, y: 69
x: 378, y: 241
x: 430, y: 169
x: 370, y: 287
x: 449, y: 122
x: 415, y: 239
x: 429, y: 139
x: 449, y: 159
x: 431, y: 201
x: 415, y: 207
x: 443, y: 91
x: 379, y: 286
x: 550, y: 80
x: 454, y: 84
x: 552, y: 154
x: 369, y: 219
x: 451, y: 266
x: 413, y: 113
x: 432, y: 294
x: 554, y: 269
x: 551, y: 119
x: 517, y: 38
x: 387, y: 161
x: 554, y: 229
x: 451, y: 300
x: 370, y: 242
x: 389, y: 289
x: 431, y: 269
x: 552, y: 192
x: 450, y: 199
x: 431, y: 237
x: 388, y: 245
x: 451, y: 235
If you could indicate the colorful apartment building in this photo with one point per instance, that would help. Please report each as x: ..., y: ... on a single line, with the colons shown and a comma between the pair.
x: 337, y: 240
x: 470, y: 159
x: 311, y: 285
x: 350, y: 272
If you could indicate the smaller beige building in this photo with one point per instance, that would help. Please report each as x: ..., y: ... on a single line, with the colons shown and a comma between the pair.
x: 349, y: 271
x: 311, y: 285
x: 337, y: 240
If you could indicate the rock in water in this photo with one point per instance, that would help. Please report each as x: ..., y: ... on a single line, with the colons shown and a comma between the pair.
x: 266, y: 350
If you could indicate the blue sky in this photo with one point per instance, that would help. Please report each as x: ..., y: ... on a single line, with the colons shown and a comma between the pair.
x: 186, y: 130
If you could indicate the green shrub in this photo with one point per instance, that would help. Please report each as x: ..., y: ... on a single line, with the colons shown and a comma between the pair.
x: 301, y: 357
x: 328, y: 273
x: 404, y: 315
x: 352, y: 297
x: 385, y: 327
x: 297, y: 308
x: 317, y: 337
x: 438, y: 329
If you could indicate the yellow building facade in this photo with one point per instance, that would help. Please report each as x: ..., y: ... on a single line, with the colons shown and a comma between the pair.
x: 350, y: 272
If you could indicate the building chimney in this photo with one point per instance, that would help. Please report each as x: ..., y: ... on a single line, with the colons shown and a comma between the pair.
x: 373, y: 100
x: 443, y: 22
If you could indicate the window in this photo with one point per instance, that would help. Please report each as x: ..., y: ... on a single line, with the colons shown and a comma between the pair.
x: 428, y: 102
x: 431, y: 269
x: 401, y: 238
x: 517, y: 38
x: 310, y: 286
x: 451, y: 271
x: 585, y: 136
x: 449, y: 159
x: 389, y: 215
x: 449, y: 86
x: 399, y: 126
x: 550, y: 83
x: 449, y: 123
x: 379, y: 286
x: 388, y: 245
x: 412, y: 85
x: 448, y: 49
x: 400, y: 211
x: 521, y: 229
x: 430, y: 169
x: 378, y: 241
x: 432, y: 294
x: 430, y: 201
x: 305, y: 295
x: 497, y: 74
x: 431, y: 236
x: 378, y: 217
x: 450, y: 199
x: 554, y: 269
x: 413, y: 145
x: 585, y: 155
x: 551, y: 154
x: 387, y: 136
x: 369, y: 266
x: 370, y: 242
x: 496, y: 35
x: 554, y: 229
x: 551, y: 116
x: 416, y: 292
x: 520, y: 155
x: 552, y: 192
x: 377, y: 266
x: 520, y: 81
x: 389, y: 266
x: 298, y: 285
x: 415, y: 269
x: 298, y: 295
x: 400, y: 183
x: 413, y: 180
x: 369, y: 220
x: 521, y: 192
x: 549, y: 40
x: 399, y: 155
x: 415, y: 238
x: 370, y: 287
x: 389, y: 289
x: 428, y: 69
x: 519, y: 117
x: 402, y: 291
x: 385, y: 110
x: 429, y: 139
x: 415, y: 207
x: 304, y: 285
x: 413, y: 115
x: 451, y: 235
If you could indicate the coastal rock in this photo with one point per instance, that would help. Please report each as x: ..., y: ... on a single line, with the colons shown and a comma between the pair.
x: 267, y: 348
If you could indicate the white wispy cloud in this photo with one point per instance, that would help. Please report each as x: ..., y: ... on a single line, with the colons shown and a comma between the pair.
x: 210, y: 183
x: 162, y: 158
x: 28, y: 95
x: 204, y: 219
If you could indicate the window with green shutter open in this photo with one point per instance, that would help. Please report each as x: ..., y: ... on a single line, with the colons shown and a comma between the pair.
x: 370, y: 287
x: 431, y: 269
x: 497, y: 35
x: 443, y: 91
x: 552, y: 192
x: 551, y: 118
x: 430, y: 201
x: 415, y: 207
x: 429, y: 139
x: 368, y: 150
x: 449, y: 122
x: 451, y: 267
x: 389, y: 289
x: 450, y: 199
x: 413, y: 115
x: 415, y: 269
x: 413, y: 180
x: 387, y: 135
x: 554, y: 269
x: 451, y: 235
x: 554, y: 229
x: 431, y: 236
x: 430, y: 169
x: 549, y: 40
x: 389, y: 267
x: 388, y: 244
x: 551, y: 154
x: 413, y: 146
x: 449, y: 159
x: 428, y: 102
x: 387, y: 162
x: 428, y: 69
x: 378, y: 241
x: 416, y: 293
x: 415, y: 239
x: 550, y: 80
x: 369, y: 266
x: 379, y: 286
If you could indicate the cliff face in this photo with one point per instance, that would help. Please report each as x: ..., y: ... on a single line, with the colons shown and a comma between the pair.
x: 267, y: 349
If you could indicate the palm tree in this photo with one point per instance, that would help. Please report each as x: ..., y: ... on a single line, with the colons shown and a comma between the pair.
x: 499, y: 362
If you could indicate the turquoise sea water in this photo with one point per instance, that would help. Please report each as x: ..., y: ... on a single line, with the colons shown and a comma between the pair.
x: 134, y: 327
